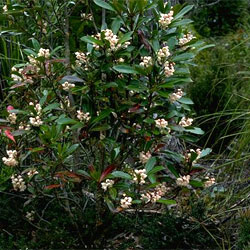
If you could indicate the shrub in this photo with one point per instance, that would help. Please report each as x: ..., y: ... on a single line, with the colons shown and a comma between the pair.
x: 94, y: 131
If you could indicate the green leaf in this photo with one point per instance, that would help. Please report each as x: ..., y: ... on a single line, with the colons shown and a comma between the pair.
x: 113, y: 193
x: 183, y: 11
x: 195, y: 183
x: 167, y: 202
x: 71, y: 79
x: 181, y: 22
x: 71, y: 149
x: 116, y: 24
x: 205, y: 47
x: 172, y: 170
x: 51, y: 107
x: 150, y: 164
x: 36, y: 44
x: 115, y: 153
x: 152, y: 178
x: 65, y: 121
x: 104, y: 5
x: 100, y: 128
x: 136, y: 202
x: 3, y: 120
x: 186, y: 100
x: 82, y: 172
x: 195, y: 130
x: 205, y: 152
x: 156, y: 169
x: 101, y: 116
x: 120, y: 174
x: 125, y: 37
x: 30, y: 52
x: 183, y: 57
x: 90, y: 39
x: 126, y: 69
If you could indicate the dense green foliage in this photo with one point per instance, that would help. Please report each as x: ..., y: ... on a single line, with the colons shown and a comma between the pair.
x: 71, y: 201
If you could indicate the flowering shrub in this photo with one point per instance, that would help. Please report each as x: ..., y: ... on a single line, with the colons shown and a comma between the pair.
x: 100, y: 131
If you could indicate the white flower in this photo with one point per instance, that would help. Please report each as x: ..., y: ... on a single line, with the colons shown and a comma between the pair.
x: 169, y: 68
x: 43, y: 53
x: 107, y: 184
x: 209, y: 182
x: 11, y: 160
x: 144, y: 157
x: 12, y: 118
x: 139, y: 176
x: 186, y: 39
x: 146, y: 61
x: 126, y: 202
x: 30, y: 215
x: 67, y: 86
x: 159, y: 191
x: 36, y: 121
x: 166, y: 19
x: 185, y: 122
x: 82, y: 59
x: 162, y: 54
x: 120, y: 60
x: 176, y: 96
x: 83, y: 116
x: 86, y: 16
x: 183, y: 181
x: 18, y: 183
x: 5, y: 8
x: 161, y: 123
x: 32, y: 172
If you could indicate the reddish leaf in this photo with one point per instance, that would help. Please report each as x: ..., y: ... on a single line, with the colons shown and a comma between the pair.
x: 10, y: 107
x: 17, y: 85
x: 161, y: 145
x: 53, y: 186
x: 147, y: 138
x: 108, y: 170
x: 92, y: 168
x: 9, y: 135
x: 134, y: 109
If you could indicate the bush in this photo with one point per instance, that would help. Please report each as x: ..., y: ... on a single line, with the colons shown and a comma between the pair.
x: 92, y: 133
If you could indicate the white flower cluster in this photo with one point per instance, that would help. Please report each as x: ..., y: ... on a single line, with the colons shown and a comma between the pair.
x: 159, y: 191
x: 146, y: 61
x: 107, y: 184
x: 43, y: 25
x: 186, y: 39
x: 139, y: 176
x: 32, y: 172
x: 30, y: 215
x: 188, y: 155
x: 23, y: 126
x: 16, y: 78
x: 36, y: 121
x: 185, y: 122
x: 169, y: 68
x: 113, y: 40
x: 166, y: 19
x: 66, y: 101
x: 67, y: 86
x: 161, y: 123
x: 11, y: 160
x: 144, y: 157
x: 83, y: 116
x: 176, y: 96
x: 12, y: 117
x: 44, y: 53
x: 126, y: 202
x: 18, y: 183
x: 209, y: 182
x: 82, y: 59
x: 120, y: 60
x: 5, y: 8
x: 86, y: 16
x: 162, y: 54
x: 183, y: 181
